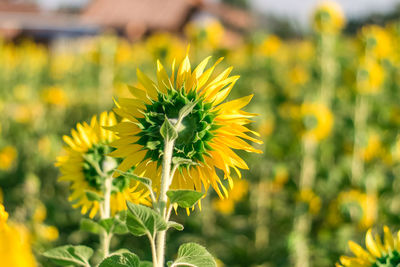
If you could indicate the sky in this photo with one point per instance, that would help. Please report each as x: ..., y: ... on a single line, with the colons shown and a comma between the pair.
x: 300, y: 10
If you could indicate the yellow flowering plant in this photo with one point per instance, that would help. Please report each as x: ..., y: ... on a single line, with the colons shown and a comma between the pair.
x: 15, y: 246
x: 378, y: 253
x: 174, y: 135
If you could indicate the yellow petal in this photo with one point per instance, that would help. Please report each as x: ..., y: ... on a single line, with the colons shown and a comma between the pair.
x: 359, y: 251
x: 162, y: 77
x: 202, y: 80
x: 389, y: 242
x: 371, y: 245
x: 147, y: 83
x: 183, y: 72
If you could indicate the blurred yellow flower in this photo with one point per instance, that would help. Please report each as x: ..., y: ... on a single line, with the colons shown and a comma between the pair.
x: 373, y: 149
x: 224, y: 206
x: 15, y: 247
x: 34, y: 57
x: 22, y: 114
x: 10, y: 57
x: 239, y: 190
x: 318, y: 120
x: 123, y: 53
x: 328, y: 17
x: 281, y: 177
x: 370, y: 77
x: 236, y: 194
x: 361, y: 207
x: 165, y: 47
x: 8, y: 155
x: 270, y: 46
x: 206, y: 33
x: 40, y: 213
x: 377, y: 253
x: 308, y: 197
x: 54, y: 96
x: 40, y: 231
x: 62, y: 63
x: 46, y: 232
x: 377, y: 42
x: 298, y: 75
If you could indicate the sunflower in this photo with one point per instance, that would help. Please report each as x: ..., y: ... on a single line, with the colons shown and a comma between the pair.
x: 310, y: 199
x: 377, y: 253
x: 370, y: 76
x: 318, y: 120
x: 377, y: 41
x: 210, y: 132
x: 15, y: 245
x: 86, y: 159
x: 356, y: 206
x: 328, y: 17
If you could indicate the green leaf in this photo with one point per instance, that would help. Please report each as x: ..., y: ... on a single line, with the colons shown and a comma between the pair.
x: 107, y: 224
x: 122, y: 215
x: 90, y: 226
x: 126, y: 259
x: 152, y: 145
x: 93, y: 196
x: 186, y: 110
x: 183, y: 161
x: 146, y: 264
x: 142, y: 220
x: 120, y: 227
x: 194, y: 255
x: 168, y: 131
x: 143, y: 180
x: 70, y: 255
x: 121, y: 251
x: 177, y: 226
x: 184, y: 198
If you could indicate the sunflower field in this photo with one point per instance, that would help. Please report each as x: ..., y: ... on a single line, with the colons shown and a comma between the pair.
x: 281, y: 152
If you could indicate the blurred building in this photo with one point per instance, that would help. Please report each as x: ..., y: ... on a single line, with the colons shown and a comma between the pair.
x: 21, y: 19
x: 131, y: 18
x: 134, y: 18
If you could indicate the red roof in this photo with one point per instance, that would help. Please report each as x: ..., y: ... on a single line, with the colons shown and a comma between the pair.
x: 232, y: 16
x: 8, y: 6
x: 149, y: 14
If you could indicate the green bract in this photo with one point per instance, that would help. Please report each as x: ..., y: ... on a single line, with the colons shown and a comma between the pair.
x: 392, y: 259
x: 196, y: 128
x: 97, y: 164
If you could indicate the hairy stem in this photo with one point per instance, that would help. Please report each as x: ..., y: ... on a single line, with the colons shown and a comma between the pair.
x: 105, y: 237
x: 153, y: 250
x: 162, y: 198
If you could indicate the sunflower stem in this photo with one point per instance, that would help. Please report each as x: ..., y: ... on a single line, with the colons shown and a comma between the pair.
x: 162, y: 198
x: 360, y: 125
x: 153, y: 250
x: 105, y: 237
